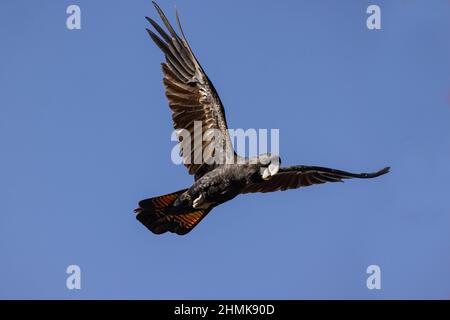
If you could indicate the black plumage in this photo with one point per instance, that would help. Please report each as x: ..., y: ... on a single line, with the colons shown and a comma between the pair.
x: 192, y: 97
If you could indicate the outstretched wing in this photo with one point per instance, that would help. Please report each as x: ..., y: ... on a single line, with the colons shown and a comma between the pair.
x: 192, y: 98
x: 303, y: 176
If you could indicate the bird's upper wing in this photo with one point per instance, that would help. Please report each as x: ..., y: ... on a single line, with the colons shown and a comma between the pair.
x: 303, y: 176
x: 192, y: 97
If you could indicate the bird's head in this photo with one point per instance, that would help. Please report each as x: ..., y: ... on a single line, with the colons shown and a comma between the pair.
x: 269, y: 165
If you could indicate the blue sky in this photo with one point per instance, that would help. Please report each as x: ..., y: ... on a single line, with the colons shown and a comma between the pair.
x: 85, y: 134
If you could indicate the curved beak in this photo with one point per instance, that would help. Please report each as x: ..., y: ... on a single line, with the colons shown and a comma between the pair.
x: 273, y: 168
x: 265, y: 173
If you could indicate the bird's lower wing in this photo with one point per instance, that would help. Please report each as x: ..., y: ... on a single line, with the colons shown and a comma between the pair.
x: 303, y: 176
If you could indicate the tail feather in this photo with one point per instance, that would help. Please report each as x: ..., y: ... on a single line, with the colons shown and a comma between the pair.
x: 159, y: 215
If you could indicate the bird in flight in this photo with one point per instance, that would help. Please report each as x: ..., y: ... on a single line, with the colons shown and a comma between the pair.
x: 193, y: 99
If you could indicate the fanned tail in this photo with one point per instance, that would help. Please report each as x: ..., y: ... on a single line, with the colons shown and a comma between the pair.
x: 159, y: 214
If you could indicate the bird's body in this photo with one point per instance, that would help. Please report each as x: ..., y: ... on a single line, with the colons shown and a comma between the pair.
x: 220, y: 185
x: 192, y: 98
x: 215, y: 187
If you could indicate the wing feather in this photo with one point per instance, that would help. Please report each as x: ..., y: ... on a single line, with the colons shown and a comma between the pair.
x: 192, y: 97
x: 303, y: 176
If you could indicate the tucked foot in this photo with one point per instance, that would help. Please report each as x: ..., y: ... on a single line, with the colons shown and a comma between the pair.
x: 200, y: 203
